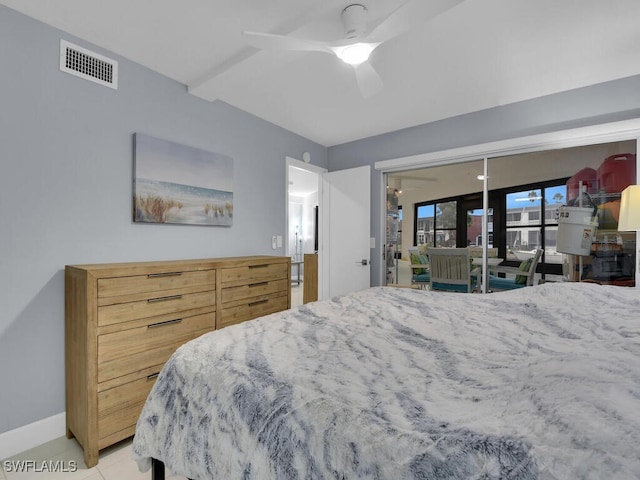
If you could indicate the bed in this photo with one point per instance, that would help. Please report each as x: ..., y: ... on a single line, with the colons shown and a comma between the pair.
x: 392, y: 383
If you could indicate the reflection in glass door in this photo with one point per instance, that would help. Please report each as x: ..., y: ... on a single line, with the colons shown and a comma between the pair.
x: 474, y: 227
x: 436, y: 224
x: 527, y: 220
x: 393, y: 240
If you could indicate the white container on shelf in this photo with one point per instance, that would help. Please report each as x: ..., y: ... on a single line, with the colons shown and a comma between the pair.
x: 576, y: 229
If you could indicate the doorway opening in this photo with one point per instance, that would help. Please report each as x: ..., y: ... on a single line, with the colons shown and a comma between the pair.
x: 304, y: 196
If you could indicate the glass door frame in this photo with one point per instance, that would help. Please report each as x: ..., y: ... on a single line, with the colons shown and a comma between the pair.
x: 595, y: 134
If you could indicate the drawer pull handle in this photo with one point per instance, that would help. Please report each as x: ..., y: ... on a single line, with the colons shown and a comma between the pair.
x: 253, y: 304
x: 258, y: 284
x: 153, y: 376
x: 162, y: 299
x: 162, y: 324
x: 165, y: 274
x: 263, y: 265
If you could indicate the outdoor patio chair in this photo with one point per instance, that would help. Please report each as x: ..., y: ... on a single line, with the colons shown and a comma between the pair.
x: 450, y: 269
x: 420, y: 270
x: 518, y: 277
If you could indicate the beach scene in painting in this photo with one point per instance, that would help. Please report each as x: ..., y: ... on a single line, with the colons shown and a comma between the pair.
x: 179, y: 184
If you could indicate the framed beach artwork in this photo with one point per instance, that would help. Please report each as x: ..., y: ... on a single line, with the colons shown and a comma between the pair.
x: 177, y: 184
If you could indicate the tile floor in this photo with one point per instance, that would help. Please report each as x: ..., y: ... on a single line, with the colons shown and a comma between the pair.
x: 296, y: 294
x: 115, y: 462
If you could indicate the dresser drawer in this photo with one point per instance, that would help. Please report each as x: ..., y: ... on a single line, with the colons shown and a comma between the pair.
x: 131, y: 350
x: 252, y: 290
x: 254, y: 273
x: 154, y: 306
x: 230, y: 315
x: 156, y: 282
x: 120, y: 407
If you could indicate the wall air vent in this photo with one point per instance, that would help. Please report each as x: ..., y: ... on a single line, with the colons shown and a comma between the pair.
x: 89, y: 65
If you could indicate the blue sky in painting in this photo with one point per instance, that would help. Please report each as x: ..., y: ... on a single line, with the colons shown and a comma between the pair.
x: 161, y: 160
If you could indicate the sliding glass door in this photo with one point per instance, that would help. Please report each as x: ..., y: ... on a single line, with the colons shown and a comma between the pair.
x: 525, y: 193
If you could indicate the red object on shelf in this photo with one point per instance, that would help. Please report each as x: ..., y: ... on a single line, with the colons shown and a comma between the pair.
x: 617, y: 172
x: 588, y: 177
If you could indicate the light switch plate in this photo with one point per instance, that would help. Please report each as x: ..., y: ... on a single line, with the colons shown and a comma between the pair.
x: 274, y: 242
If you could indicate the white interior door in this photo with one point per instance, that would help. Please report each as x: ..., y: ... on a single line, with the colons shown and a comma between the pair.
x: 346, y: 231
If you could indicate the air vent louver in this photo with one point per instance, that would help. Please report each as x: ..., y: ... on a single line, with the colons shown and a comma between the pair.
x: 89, y: 65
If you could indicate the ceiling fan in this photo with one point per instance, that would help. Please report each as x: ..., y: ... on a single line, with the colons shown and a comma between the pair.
x: 359, y: 41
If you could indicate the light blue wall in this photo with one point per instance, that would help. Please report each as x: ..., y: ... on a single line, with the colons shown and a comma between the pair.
x: 65, y: 193
x: 597, y: 104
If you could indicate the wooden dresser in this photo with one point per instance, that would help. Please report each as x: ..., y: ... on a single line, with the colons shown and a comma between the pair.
x: 123, y: 321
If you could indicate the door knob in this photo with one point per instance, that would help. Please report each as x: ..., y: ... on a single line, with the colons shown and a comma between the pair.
x: 364, y: 261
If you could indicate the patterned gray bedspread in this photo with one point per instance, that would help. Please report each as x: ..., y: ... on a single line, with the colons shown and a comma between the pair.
x: 388, y: 383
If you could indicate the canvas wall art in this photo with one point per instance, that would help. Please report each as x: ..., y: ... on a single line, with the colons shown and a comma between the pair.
x: 178, y: 184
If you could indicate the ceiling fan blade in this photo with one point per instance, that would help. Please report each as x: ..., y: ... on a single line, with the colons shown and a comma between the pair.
x: 410, y: 15
x: 368, y: 79
x: 268, y: 41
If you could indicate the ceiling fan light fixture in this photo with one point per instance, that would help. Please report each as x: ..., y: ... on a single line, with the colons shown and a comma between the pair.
x: 356, y: 53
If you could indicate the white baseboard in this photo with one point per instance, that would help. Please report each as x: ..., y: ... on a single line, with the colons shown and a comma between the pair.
x: 29, y: 436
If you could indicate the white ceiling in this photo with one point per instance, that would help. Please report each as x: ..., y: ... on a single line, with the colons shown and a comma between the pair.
x: 476, y: 55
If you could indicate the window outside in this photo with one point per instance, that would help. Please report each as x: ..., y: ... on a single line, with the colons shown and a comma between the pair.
x: 436, y: 224
x: 527, y: 225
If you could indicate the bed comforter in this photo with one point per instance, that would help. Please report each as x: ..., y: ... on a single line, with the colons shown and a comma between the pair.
x: 388, y: 383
